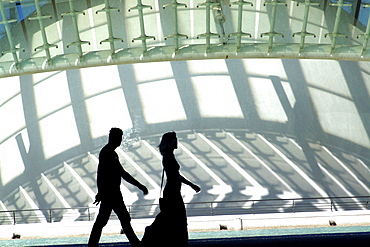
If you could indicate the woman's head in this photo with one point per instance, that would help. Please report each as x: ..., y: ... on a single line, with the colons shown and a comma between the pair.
x: 168, y: 142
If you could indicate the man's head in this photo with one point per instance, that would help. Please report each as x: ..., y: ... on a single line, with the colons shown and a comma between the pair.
x: 115, y: 136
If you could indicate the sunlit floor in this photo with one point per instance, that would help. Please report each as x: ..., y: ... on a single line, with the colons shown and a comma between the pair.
x: 308, y: 236
x: 284, y: 229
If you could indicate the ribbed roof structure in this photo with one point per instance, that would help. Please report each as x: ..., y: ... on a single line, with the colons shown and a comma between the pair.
x: 39, y: 35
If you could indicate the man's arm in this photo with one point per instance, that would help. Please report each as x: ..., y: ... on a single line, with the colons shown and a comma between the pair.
x: 130, y: 179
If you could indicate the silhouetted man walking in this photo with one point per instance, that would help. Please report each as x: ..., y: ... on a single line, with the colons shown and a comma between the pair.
x: 109, y: 177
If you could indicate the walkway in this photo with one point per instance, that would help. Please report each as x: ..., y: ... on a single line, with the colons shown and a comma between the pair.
x: 317, y: 240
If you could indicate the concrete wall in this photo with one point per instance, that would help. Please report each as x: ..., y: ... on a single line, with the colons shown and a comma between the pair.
x: 297, y: 126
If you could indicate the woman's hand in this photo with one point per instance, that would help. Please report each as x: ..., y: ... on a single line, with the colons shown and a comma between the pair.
x: 187, y: 182
x: 195, y: 187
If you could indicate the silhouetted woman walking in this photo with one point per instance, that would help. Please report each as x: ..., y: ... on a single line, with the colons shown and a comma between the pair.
x: 170, y: 226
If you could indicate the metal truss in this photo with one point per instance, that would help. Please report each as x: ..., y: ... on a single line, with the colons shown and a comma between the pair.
x: 38, y: 36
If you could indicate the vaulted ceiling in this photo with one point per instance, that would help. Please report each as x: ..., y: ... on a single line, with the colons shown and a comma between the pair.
x: 49, y: 35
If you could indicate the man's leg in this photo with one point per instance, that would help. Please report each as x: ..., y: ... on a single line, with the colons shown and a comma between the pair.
x: 101, y: 220
x: 125, y: 219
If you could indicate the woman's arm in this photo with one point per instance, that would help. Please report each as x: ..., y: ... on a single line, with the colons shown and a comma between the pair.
x: 187, y: 182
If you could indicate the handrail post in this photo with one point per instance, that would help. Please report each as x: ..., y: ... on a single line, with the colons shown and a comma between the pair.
x: 14, y: 218
x: 253, y: 207
x: 241, y: 224
x: 293, y: 206
x: 331, y: 205
x: 212, y: 209
x: 50, y: 217
x: 88, y: 213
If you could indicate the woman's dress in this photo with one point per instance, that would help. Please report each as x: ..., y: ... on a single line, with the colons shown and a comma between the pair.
x: 170, y: 226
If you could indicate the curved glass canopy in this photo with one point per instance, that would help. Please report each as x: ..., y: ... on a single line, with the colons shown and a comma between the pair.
x: 39, y: 36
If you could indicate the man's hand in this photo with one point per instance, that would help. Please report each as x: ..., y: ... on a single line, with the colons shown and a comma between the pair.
x: 97, y: 200
x: 144, y: 189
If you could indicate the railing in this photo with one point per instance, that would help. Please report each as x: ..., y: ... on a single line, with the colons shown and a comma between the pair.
x: 265, y: 206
